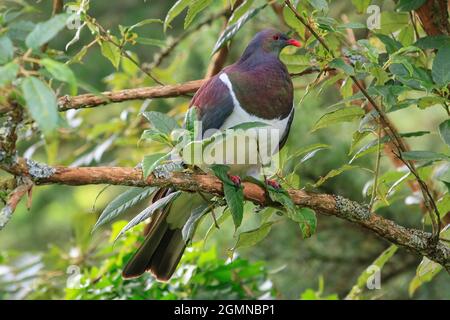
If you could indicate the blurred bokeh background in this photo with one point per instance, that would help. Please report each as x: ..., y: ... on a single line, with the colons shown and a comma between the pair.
x: 56, y: 232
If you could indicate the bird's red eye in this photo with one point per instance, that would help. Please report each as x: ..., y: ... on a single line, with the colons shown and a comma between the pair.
x: 276, y: 37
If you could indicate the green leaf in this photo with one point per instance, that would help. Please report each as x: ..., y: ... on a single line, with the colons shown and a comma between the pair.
x: 379, y: 262
x: 347, y: 114
x: 234, y: 195
x: 340, y: 64
x: 433, y: 42
x: 42, y: 104
x: 61, y: 72
x: 8, y: 73
x: 240, y: 11
x: 390, y: 44
x: 333, y: 173
x: 123, y: 202
x: 6, y: 49
x: 361, y: 5
x: 161, y: 121
x: 441, y: 67
x: 320, y: 5
x: 231, y: 30
x: 174, y: 11
x: 444, y: 131
x: 195, y: 7
x: 151, y: 42
x: 409, y: 5
x: 190, y: 119
x: 428, y: 101
x: 150, y: 162
x: 424, y: 155
x: 148, y: 212
x: 111, y: 52
x: 393, y: 21
x: 143, y: 23
x: 307, y: 221
x: 252, y: 237
x: 307, y: 150
x: 45, y: 31
x: 235, y: 201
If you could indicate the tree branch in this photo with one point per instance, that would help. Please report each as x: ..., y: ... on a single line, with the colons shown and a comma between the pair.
x: 168, y: 91
x: 416, y: 241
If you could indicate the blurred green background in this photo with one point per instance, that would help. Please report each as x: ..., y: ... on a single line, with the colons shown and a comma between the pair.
x: 61, y: 217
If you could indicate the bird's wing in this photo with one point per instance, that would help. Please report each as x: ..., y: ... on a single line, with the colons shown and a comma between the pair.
x: 214, y: 104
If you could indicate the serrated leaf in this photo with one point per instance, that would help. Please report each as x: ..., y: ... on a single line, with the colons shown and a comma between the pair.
x: 441, y: 67
x: 346, y: 114
x: 174, y: 11
x: 45, y: 31
x: 111, y: 52
x: 161, y: 121
x: 444, y: 131
x: 42, y: 104
x: 252, y: 237
x: 424, y: 155
x: 147, y: 213
x: 150, y: 162
x: 195, y: 7
x: 6, y: 49
x: 231, y: 30
x: 123, y: 202
x: 61, y: 72
x: 8, y: 73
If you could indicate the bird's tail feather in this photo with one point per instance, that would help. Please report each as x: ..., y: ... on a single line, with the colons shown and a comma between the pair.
x: 164, y: 244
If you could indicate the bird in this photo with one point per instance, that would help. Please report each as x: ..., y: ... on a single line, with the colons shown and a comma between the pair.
x: 256, y: 88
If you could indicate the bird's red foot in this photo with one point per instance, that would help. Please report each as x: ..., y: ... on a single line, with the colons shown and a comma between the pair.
x: 273, y: 183
x: 236, y: 180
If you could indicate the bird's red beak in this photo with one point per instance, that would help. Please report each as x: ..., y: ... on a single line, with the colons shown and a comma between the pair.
x: 293, y: 42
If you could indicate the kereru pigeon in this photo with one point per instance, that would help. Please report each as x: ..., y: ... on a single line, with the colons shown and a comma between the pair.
x: 257, y: 88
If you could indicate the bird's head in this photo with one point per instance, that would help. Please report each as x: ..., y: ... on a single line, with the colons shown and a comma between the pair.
x: 269, y: 41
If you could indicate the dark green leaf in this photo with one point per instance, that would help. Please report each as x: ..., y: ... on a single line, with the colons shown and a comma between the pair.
x: 441, y: 67
x: 45, y: 31
x: 151, y: 42
x: 433, y: 42
x: 391, y: 45
x: 235, y: 201
x: 42, y: 104
x: 231, y: 30
x: 409, y: 5
x: 161, y: 121
x: 123, y: 202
